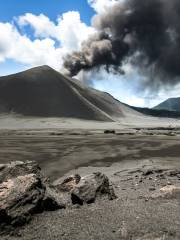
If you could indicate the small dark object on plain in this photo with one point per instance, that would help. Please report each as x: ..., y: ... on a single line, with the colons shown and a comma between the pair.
x: 109, y: 131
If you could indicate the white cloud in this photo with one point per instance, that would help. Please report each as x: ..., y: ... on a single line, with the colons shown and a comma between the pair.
x: 20, y: 48
x: 53, y: 40
x: 69, y: 31
x: 41, y: 24
x: 102, y: 5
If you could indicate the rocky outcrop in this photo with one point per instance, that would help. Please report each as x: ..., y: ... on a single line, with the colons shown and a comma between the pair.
x: 19, y: 198
x: 87, y: 189
x: 23, y: 192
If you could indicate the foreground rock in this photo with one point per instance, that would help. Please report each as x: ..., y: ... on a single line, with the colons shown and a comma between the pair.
x: 23, y: 192
x: 19, y: 198
x: 87, y: 189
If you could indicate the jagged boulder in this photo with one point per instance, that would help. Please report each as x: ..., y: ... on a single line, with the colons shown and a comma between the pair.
x: 20, y: 197
x: 91, y: 187
x: 65, y: 187
x: 80, y: 190
x: 24, y: 192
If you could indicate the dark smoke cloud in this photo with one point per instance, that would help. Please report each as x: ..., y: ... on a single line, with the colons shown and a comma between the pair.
x: 97, y: 51
x: 145, y: 33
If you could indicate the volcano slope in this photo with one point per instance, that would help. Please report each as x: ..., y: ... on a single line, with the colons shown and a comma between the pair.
x: 44, y: 92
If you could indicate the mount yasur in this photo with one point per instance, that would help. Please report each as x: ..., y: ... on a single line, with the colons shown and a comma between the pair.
x: 44, y: 92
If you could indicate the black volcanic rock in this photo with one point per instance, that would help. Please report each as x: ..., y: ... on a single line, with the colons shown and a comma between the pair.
x: 20, y: 197
x: 42, y: 91
x: 92, y: 187
x: 109, y: 131
x: 23, y: 192
x: 87, y: 189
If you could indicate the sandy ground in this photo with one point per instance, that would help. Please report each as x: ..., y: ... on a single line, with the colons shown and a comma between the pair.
x: 14, y: 121
x: 58, y: 151
x: 133, y: 216
x: 124, y: 157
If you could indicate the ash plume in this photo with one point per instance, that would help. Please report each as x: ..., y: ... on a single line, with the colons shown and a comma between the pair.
x: 145, y: 33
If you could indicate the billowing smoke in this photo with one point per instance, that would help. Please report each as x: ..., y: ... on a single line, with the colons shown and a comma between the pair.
x: 144, y: 33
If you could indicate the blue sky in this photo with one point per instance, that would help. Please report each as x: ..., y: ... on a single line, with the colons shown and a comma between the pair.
x: 51, y: 8
x: 10, y: 9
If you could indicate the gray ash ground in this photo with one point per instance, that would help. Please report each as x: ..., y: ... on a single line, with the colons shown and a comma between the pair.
x: 139, y: 166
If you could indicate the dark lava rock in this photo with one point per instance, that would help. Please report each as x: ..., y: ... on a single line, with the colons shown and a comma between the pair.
x: 20, y: 197
x: 109, y: 131
x: 92, y: 187
x: 80, y: 190
x: 23, y: 192
x: 65, y: 188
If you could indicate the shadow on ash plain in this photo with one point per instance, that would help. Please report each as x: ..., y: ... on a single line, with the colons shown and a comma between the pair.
x: 58, y: 154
